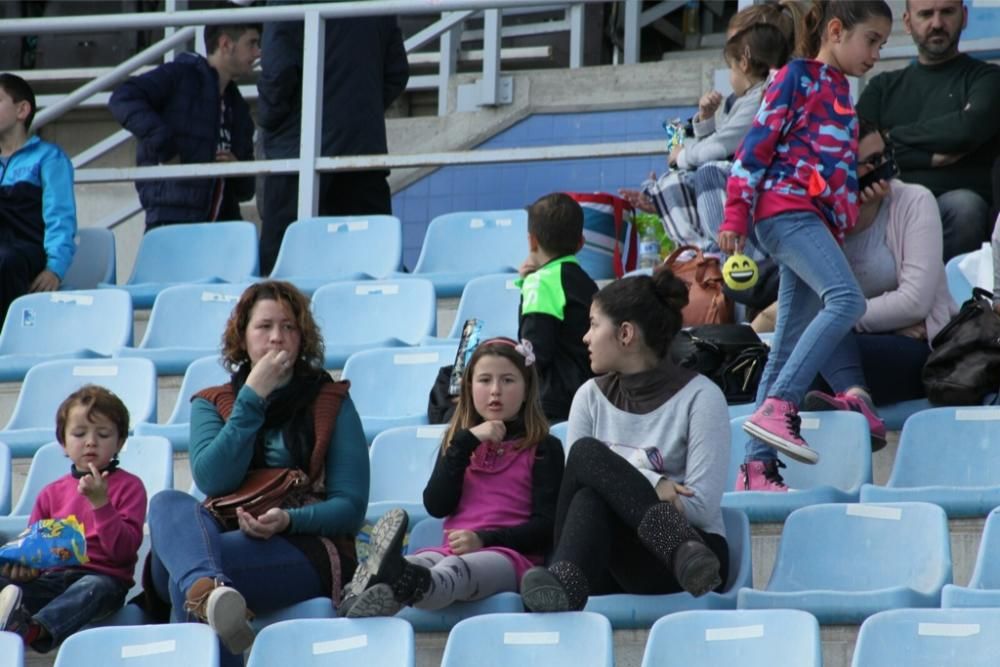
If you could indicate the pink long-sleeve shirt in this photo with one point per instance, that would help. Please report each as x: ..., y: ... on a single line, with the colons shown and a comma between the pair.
x: 114, y: 532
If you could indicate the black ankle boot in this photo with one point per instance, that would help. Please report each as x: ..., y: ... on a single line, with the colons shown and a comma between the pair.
x: 412, y: 584
x: 560, y: 587
x: 667, y: 534
x: 386, y: 599
x: 696, y: 568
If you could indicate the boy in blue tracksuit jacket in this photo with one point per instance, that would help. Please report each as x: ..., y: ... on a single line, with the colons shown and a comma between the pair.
x: 37, y: 205
x: 190, y: 111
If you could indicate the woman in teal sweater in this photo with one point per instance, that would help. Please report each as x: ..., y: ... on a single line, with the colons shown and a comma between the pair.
x: 280, y: 410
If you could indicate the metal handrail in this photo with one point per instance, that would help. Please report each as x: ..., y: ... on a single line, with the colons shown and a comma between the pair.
x: 310, y: 164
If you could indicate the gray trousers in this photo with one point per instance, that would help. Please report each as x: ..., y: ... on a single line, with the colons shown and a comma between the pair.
x: 472, y: 576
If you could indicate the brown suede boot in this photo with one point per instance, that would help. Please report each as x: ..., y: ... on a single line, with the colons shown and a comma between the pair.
x: 224, y: 609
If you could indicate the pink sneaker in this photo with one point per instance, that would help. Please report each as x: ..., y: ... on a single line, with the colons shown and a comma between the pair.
x: 762, y: 476
x: 818, y: 401
x: 776, y: 423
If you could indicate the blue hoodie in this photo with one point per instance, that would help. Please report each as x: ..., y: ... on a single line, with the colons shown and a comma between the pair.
x: 37, y: 204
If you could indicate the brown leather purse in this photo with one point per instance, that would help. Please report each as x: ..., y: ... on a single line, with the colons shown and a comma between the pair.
x: 707, y: 303
x: 261, y: 490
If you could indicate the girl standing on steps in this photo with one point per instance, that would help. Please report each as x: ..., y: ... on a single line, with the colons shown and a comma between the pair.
x: 495, y: 483
x: 794, y: 185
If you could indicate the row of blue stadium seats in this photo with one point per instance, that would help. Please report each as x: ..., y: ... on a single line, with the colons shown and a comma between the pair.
x: 751, y: 638
x: 403, y: 456
x: 840, y: 561
x: 187, y: 321
x: 313, y: 252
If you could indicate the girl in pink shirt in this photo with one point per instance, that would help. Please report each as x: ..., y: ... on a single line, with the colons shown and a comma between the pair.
x: 495, y: 483
x: 44, y: 607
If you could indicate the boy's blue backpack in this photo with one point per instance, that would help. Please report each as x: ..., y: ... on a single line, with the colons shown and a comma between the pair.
x: 610, y: 242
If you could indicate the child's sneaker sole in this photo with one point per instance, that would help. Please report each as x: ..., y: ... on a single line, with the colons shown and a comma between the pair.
x: 801, y: 453
x: 375, y: 601
x: 10, y: 600
x: 387, y: 537
x: 226, y: 611
x: 542, y: 592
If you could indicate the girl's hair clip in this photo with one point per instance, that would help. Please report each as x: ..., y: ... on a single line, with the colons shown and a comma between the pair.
x: 526, y: 350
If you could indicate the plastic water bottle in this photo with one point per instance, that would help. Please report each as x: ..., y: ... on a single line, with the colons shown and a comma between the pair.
x: 649, y: 250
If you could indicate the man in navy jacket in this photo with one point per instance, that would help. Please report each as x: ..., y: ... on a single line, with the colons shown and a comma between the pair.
x: 364, y: 71
x: 191, y: 110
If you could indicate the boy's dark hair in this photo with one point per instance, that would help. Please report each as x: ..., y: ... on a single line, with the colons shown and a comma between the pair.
x: 556, y: 222
x: 19, y: 91
x: 763, y: 45
x: 233, y: 32
x: 95, y: 399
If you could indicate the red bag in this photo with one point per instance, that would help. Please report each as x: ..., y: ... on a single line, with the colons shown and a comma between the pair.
x: 610, y: 242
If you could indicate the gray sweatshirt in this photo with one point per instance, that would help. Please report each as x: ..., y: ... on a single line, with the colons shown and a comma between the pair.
x: 690, y: 430
x: 713, y: 143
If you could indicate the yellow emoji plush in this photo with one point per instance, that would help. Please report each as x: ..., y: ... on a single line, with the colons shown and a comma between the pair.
x: 739, y: 272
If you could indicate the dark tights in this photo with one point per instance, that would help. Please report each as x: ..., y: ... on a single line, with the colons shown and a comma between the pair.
x: 602, y: 501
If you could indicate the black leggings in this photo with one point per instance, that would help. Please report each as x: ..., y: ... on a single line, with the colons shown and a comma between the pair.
x: 602, y: 500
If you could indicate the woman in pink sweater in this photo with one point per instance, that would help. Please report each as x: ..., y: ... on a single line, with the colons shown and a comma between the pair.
x: 46, y: 606
x: 895, y: 253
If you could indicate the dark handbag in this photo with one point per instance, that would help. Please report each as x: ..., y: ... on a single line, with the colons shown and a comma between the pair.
x: 261, y: 490
x: 731, y: 355
x: 964, y: 363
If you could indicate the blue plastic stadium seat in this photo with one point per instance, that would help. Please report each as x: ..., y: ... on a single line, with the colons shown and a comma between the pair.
x: 493, y: 300
x: 94, y: 260
x: 929, y: 638
x: 204, y: 252
x: 984, y: 585
x: 741, y: 410
x: 627, y: 611
x: 47, y: 384
x: 336, y: 642
x: 317, y: 251
x: 429, y: 532
x: 11, y: 650
x: 148, y: 457
x: 560, y: 431
x: 390, y: 386
x: 202, y: 373
x: 63, y: 325
x: 965, y: 481
x: 749, y: 638
x: 313, y: 608
x: 958, y: 285
x: 460, y: 246
x: 401, y: 463
x: 186, y: 323
x: 569, y: 639
x: 362, y: 315
x: 5, y: 479
x: 895, y: 414
x: 167, y: 645
x: 844, y: 445
x: 845, y: 562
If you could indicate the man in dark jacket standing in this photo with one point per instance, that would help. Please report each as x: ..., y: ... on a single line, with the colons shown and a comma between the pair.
x: 187, y: 111
x: 365, y: 70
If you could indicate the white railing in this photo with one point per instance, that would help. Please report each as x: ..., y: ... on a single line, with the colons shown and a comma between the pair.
x: 453, y: 13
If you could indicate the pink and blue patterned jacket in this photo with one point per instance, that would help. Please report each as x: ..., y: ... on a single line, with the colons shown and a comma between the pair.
x: 800, y: 153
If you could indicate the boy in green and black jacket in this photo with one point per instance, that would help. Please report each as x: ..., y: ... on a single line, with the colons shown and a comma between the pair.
x: 555, y: 301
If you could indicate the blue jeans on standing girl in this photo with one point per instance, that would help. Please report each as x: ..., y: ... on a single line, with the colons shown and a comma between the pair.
x: 819, y: 301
